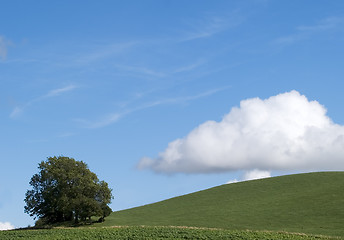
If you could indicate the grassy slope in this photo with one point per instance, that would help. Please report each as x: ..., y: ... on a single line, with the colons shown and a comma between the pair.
x: 309, y: 203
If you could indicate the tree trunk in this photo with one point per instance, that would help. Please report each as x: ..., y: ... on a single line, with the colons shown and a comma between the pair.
x: 76, y: 220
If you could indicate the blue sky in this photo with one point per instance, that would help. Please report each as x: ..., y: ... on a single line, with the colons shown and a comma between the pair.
x: 120, y: 84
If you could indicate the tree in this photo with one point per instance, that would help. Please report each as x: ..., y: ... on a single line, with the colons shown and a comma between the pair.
x: 65, y: 190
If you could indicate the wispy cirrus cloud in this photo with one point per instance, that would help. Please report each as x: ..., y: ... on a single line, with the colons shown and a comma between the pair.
x: 139, y: 70
x: 204, y: 30
x: 304, y: 32
x: 210, y: 26
x: 189, y: 67
x: 75, y: 54
x: 184, y: 99
x: 103, y: 121
x: 58, y: 91
x: 99, y: 53
x: 18, y: 110
x: 115, y: 117
x: 148, y: 72
x: 3, y: 47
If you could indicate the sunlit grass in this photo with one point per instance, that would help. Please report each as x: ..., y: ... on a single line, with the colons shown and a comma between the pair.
x: 307, y: 203
x: 149, y: 233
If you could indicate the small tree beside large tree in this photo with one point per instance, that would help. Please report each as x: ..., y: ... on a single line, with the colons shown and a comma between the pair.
x: 66, y: 190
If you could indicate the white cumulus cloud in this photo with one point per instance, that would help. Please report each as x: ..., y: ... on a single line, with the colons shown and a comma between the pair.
x: 252, y: 175
x: 256, y: 174
x: 232, y: 181
x: 283, y: 132
x: 6, y: 226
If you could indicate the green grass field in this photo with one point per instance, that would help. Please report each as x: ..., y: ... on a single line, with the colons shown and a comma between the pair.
x: 310, y: 203
x: 148, y: 233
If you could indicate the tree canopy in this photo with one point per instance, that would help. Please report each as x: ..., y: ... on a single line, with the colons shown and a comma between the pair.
x: 65, y: 190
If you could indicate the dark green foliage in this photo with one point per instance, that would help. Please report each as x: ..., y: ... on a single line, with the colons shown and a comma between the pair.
x: 150, y: 233
x: 65, y: 190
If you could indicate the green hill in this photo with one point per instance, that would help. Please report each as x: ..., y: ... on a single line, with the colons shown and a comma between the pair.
x: 311, y: 203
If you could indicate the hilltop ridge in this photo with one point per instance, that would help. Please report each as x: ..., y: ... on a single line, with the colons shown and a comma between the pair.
x: 306, y: 203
